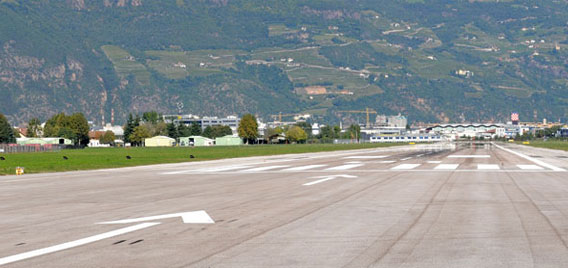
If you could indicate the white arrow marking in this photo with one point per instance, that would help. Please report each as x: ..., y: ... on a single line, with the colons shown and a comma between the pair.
x: 76, y: 243
x: 199, y: 217
x: 327, y: 178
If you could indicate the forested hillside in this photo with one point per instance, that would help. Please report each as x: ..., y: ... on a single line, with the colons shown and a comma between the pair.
x: 436, y: 61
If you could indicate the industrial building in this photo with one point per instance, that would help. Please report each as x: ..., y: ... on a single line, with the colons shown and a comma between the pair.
x: 393, y: 121
x: 407, y: 138
x: 228, y: 140
x: 487, y: 131
x: 196, y: 141
x: 44, y: 141
x: 159, y: 141
x: 231, y: 121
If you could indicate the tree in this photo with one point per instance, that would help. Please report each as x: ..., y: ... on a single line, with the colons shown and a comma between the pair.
x: 74, y: 127
x: 157, y: 129
x: 139, y: 134
x: 183, y: 130
x: 271, y: 132
x: 107, y: 137
x: 128, y: 128
x: 353, y: 132
x: 6, y: 131
x: 336, y: 132
x: 194, y: 129
x: 296, y: 134
x: 217, y: 131
x: 34, y: 128
x: 172, y: 131
x: 151, y: 117
x: 80, y: 127
x: 17, y: 133
x: 306, y: 127
x: 248, y: 127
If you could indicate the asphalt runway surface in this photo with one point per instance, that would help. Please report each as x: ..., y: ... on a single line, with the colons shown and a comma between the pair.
x: 438, y: 205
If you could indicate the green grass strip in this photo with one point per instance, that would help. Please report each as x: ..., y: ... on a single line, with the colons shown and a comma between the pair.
x: 99, y: 158
x: 550, y: 144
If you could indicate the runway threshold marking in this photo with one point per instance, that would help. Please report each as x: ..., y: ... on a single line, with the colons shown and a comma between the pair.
x: 345, y: 167
x: 447, y: 166
x: 487, y: 167
x: 327, y: 178
x: 536, y: 161
x: 469, y: 156
x: 405, y: 166
x: 530, y: 167
x: 366, y: 157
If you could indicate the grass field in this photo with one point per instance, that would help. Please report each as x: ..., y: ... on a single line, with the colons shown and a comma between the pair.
x: 98, y: 158
x: 557, y: 145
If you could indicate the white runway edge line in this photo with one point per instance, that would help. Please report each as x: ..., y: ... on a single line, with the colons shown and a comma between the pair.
x: 405, y: 166
x: 76, y: 243
x: 536, y: 161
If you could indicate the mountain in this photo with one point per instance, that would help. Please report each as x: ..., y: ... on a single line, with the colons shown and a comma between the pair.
x: 435, y: 61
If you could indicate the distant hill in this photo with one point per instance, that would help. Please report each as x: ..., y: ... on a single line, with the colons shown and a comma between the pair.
x: 435, y: 61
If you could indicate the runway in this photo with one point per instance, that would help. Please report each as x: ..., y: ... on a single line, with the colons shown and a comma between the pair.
x: 432, y: 205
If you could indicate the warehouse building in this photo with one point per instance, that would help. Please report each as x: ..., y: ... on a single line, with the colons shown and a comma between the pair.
x: 159, y: 141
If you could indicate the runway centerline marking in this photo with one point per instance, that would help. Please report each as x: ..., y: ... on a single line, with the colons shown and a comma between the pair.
x: 447, y: 166
x: 405, y: 166
x: 387, y: 162
x: 345, y: 167
x: 487, y: 167
x: 434, y: 162
x: 404, y: 159
x: 469, y: 156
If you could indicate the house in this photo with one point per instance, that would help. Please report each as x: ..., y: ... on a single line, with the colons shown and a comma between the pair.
x: 228, y: 140
x: 196, y: 141
x: 159, y: 141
